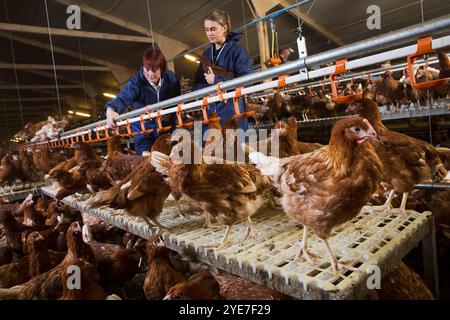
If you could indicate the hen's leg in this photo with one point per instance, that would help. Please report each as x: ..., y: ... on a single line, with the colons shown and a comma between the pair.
x: 334, y: 262
x: 208, y: 223
x: 304, y: 248
x: 250, y: 229
x: 402, y: 209
x: 180, y: 213
x: 224, y: 239
x: 159, y: 225
x: 387, y: 204
x: 270, y: 200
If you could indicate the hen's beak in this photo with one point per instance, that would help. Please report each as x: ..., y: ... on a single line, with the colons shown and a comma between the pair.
x: 168, y: 297
x: 370, y: 132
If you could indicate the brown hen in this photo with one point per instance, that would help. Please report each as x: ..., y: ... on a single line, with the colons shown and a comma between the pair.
x: 328, y: 186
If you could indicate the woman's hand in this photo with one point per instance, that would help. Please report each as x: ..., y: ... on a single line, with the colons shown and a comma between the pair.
x: 209, y: 76
x: 110, y: 115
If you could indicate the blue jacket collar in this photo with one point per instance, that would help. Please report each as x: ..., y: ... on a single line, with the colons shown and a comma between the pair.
x: 235, y: 36
x: 232, y: 38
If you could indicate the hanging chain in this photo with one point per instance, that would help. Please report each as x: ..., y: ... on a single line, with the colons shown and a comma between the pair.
x: 53, y: 59
x: 4, y: 112
x: 307, y: 14
x: 151, y: 25
x: 245, y: 24
x: 82, y: 72
x: 15, y: 69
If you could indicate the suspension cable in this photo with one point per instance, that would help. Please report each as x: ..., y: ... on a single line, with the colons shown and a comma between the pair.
x: 15, y: 68
x: 151, y: 25
x: 245, y: 23
x: 82, y: 72
x: 53, y: 59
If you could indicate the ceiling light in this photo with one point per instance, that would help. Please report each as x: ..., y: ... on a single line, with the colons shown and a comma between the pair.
x: 109, y: 95
x: 70, y: 111
x: 82, y: 114
x: 190, y: 57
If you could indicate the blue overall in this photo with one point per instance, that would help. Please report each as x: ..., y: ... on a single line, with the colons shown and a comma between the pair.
x: 233, y: 58
x: 138, y: 93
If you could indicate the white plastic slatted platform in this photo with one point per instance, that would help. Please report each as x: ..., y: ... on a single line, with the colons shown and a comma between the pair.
x: 381, y: 239
x: 19, y: 192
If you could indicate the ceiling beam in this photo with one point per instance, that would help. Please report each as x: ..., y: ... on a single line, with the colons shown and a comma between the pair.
x: 383, y: 13
x: 263, y: 6
x: 38, y: 111
x: 12, y: 27
x: 193, y: 16
x: 91, y: 90
x: 71, y: 53
x: 33, y: 87
x: 50, y: 67
x: 171, y: 47
x: 312, y: 23
x: 30, y: 99
x: 107, y: 17
x: 46, y: 46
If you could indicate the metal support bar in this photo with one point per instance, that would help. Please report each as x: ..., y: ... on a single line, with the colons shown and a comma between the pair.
x: 362, y: 47
x: 354, y: 75
x: 432, y: 186
x: 430, y: 260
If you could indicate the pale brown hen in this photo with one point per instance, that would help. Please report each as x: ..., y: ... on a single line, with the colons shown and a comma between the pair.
x: 142, y: 193
x: 328, y: 186
x: 406, y: 160
x: 161, y: 274
x: 118, y: 165
x: 228, y: 192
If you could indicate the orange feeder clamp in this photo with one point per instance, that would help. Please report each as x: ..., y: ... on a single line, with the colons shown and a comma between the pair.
x: 159, y: 122
x: 180, y: 124
x: 142, y: 121
x: 423, y: 47
x: 340, y: 68
x: 207, y: 120
x: 237, y: 113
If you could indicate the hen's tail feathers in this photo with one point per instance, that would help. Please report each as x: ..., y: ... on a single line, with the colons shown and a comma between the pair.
x: 10, y: 293
x: 444, y: 61
x: 269, y: 166
x: 103, y: 198
x: 161, y: 162
x: 87, y: 233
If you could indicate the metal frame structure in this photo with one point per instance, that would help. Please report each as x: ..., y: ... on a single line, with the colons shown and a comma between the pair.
x: 396, y: 38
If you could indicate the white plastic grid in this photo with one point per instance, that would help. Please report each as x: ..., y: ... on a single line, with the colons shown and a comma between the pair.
x: 372, y: 238
x: 19, y: 188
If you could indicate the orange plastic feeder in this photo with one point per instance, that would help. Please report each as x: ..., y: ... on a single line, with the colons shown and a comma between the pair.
x: 159, y: 122
x: 180, y: 124
x: 340, y: 68
x: 237, y: 113
x: 207, y: 120
x: 423, y: 47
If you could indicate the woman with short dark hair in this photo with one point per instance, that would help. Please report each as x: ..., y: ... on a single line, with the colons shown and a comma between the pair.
x: 152, y: 84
